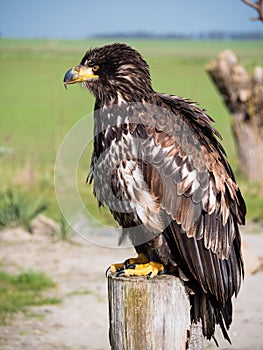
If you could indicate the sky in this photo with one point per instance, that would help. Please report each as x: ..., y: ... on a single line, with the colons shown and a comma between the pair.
x: 69, y: 19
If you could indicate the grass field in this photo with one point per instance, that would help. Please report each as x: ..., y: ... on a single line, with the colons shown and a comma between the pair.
x: 19, y: 292
x: 37, y: 112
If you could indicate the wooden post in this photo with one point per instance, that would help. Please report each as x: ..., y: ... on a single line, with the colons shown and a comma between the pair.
x: 148, y: 314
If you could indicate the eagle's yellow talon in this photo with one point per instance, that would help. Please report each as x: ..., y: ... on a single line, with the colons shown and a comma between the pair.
x: 116, y: 267
x: 139, y: 266
x: 150, y: 269
x: 141, y: 259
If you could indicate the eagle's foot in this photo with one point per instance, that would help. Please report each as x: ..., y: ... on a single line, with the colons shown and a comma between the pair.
x: 149, y: 269
x: 140, y: 266
x: 141, y: 259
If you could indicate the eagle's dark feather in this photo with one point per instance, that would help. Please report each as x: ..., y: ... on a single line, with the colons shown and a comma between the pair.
x: 159, y: 157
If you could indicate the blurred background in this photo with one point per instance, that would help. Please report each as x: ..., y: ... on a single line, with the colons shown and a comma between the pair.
x: 39, y: 42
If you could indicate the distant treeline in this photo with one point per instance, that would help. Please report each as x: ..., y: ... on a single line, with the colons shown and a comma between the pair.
x: 214, y: 35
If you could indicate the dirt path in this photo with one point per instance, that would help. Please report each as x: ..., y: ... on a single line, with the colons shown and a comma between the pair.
x: 80, y: 321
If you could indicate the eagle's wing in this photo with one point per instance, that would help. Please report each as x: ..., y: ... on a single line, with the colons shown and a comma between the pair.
x: 187, y: 174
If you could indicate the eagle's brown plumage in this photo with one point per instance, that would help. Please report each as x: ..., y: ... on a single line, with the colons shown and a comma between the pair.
x: 159, y: 167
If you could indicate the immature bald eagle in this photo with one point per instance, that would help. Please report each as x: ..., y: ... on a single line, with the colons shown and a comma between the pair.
x: 158, y: 166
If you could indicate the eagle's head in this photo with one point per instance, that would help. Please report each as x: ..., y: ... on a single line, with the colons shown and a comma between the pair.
x: 112, y: 71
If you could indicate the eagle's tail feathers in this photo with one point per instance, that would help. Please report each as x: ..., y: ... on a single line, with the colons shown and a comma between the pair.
x: 206, y: 308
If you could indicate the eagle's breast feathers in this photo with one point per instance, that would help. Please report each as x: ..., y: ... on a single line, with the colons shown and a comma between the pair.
x: 152, y: 161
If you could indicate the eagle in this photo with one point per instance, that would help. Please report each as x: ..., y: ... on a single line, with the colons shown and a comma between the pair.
x: 159, y: 166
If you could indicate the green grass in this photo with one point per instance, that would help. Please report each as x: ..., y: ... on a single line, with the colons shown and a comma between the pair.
x: 18, y: 210
x: 20, y: 292
x: 37, y: 112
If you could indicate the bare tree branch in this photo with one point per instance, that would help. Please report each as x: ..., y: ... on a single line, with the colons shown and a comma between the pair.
x: 258, y: 6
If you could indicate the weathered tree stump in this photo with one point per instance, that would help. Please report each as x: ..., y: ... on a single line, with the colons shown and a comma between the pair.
x: 243, y: 95
x: 149, y: 314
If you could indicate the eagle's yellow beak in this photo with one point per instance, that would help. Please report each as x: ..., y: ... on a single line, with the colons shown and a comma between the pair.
x: 79, y: 74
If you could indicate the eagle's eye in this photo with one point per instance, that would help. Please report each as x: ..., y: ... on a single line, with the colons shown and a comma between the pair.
x: 95, y: 68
